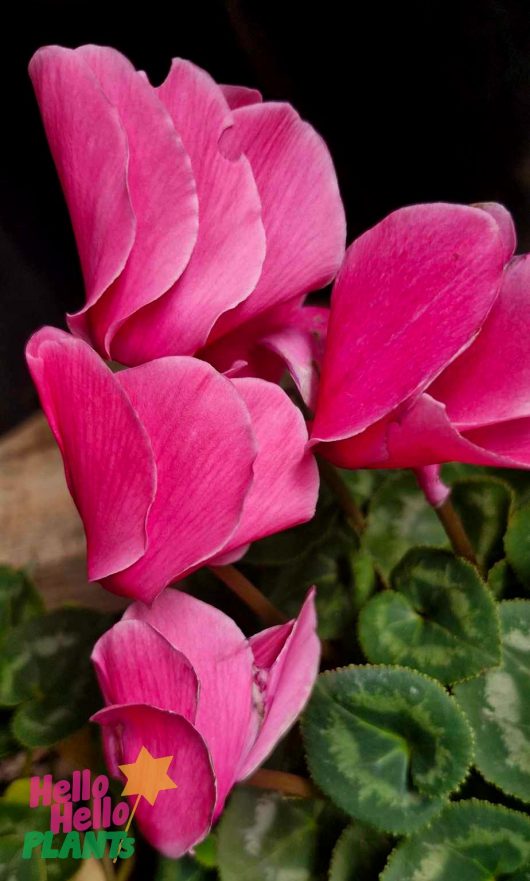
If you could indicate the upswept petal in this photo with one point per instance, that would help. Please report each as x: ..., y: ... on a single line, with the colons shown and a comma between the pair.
x: 490, y: 381
x: 504, y: 221
x: 230, y: 249
x: 204, y: 449
x: 136, y: 664
x: 240, y: 96
x: 90, y: 150
x: 287, y: 678
x: 411, y: 295
x: 222, y: 658
x: 180, y: 817
x: 302, y: 209
x: 161, y: 189
x: 285, y: 485
x: 107, y: 455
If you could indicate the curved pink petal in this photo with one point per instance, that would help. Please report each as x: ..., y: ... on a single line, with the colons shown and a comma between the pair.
x: 509, y: 440
x: 230, y: 249
x: 415, y: 435
x: 180, y: 817
x: 107, y: 455
x: 161, y: 189
x: 504, y: 221
x: 222, y: 659
x: 285, y: 486
x: 490, y: 381
x: 240, y: 96
x: 302, y: 209
x: 204, y: 449
x: 412, y: 294
x: 136, y: 664
x: 300, y: 346
x: 288, y: 659
x: 90, y: 150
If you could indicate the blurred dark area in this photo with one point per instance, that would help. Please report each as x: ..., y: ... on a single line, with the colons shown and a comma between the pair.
x: 417, y: 102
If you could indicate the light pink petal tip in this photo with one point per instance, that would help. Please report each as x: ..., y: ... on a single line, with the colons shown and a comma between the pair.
x: 100, y: 437
x: 180, y: 817
x: 287, y: 658
x: 222, y: 658
x: 204, y: 449
x: 302, y: 209
x: 285, y: 485
x: 240, y: 96
x: 412, y: 294
x: 227, y: 259
x: 136, y: 664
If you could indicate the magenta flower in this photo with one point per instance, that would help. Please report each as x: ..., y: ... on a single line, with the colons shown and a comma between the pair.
x: 202, y: 216
x: 171, y: 464
x: 181, y: 679
x: 428, y: 350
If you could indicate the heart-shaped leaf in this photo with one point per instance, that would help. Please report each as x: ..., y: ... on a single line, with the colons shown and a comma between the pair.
x: 440, y: 618
x: 470, y: 841
x: 497, y: 705
x: 45, y: 671
x: 360, y: 852
x: 263, y: 836
x: 398, y: 519
x: 387, y: 745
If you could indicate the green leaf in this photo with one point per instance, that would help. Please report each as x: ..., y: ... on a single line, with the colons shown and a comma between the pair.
x: 264, y: 836
x: 440, y: 619
x: 185, y: 869
x: 362, y: 483
x: 501, y: 579
x: 470, y: 841
x: 45, y: 669
x: 398, y: 519
x: 497, y: 705
x: 387, y: 745
x: 360, y: 852
x: 483, y: 504
x: 19, y: 601
x: 517, y: 543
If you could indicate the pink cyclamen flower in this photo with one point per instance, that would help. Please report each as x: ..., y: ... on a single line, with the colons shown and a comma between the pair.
x: 202, y: 215
x: 181, y: 679
x: 171, y: 464
x: 428, y: 350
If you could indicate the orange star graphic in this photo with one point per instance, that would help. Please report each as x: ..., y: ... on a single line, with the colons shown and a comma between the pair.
x: 147, y: 776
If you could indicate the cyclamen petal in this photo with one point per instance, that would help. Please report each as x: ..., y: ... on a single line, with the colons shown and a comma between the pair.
x: 197, y: 208
x: 231, y: 734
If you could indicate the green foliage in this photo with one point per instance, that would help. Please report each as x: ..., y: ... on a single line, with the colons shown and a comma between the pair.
x: 483, y: 504
x: 439, y: 618
x: 45, y: 673
x: 185, y: 869
x: 517, y: 543
x: 497, y: 705
x: 360, y: 853
x: 19, y: 601
x: 264, y: 836
x: 16, y: 819
x: 399, y: 518
x: 387, y: 745
x: 470, y: 841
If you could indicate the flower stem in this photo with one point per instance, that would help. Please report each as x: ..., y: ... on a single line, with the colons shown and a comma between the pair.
x: 439, y: 497
x: 126, y: 869
x: 281, y: 781
x: 455, y: 531
x: 106, y: 865
x: 249, y: 594
x: 345, y: 499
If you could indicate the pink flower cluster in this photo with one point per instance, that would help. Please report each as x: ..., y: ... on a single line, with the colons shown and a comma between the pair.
x: 203, y: 217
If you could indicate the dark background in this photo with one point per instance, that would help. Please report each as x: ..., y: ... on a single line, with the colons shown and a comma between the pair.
x: 418, y: 101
